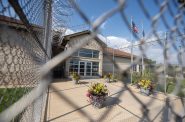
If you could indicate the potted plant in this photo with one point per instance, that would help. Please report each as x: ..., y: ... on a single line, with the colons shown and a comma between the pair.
x: 114, y: 78
x: 108, y: 77
x: 75, y: 77
x: 96, y: 94
x: 146, y: 86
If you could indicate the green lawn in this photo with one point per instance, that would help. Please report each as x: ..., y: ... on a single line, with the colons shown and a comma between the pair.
x: 8, y: 96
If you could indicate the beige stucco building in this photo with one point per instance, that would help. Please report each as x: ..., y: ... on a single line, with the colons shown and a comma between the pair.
x: 92, y: 60
x: 122, y: 60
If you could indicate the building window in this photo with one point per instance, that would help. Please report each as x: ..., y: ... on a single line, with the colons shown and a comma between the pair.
x: 84, y: 68
x: 140, y: 68
x: 73, y: 67
x: 135, y: 67
x: 95, y: 54
x: 87, y: 53
x: 88, y: 68
x: 95, y: 68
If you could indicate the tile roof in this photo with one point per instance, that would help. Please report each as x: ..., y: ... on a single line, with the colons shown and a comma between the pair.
x: 117, y: 53
x: 9, y: 21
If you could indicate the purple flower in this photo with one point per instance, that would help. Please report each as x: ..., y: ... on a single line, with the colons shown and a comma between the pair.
x: 88, y: 94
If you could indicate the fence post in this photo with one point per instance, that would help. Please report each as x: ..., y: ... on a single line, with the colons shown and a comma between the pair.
x: 48, y: 22
x: 165, y: 57
x: 113, y: 63
x: 131, y: 52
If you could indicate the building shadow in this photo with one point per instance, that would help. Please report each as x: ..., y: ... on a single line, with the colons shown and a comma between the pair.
x: 70, y: 112
x: 83, y: 82
x: 111, y: 101
x: 57, y: 80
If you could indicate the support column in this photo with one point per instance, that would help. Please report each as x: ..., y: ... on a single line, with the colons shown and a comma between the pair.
x: 101, y: 63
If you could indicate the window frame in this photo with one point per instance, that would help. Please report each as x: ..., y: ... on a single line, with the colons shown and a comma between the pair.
x: 74, y: 66
x: 134, y: 68
x: 140, y: 68
x: 84, y: 51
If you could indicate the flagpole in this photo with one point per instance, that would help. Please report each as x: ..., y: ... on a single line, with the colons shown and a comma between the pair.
x: 142, y: 53
x: 131, y: 51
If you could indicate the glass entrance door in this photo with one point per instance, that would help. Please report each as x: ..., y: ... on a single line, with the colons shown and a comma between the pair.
x: 88, y: 69
x: 85, y: 68
x: 81, y: 68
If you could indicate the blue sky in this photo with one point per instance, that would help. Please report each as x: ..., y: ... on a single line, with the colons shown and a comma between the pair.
x: 115, y: 25
x: 32, y: 9
x: 115, y: 29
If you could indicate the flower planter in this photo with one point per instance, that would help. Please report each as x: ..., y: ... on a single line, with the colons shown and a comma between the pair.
x: 114, y: 80
x: 108, y: 80
x: 75, y: 77
x: 97, y: 93
x: 97, y: 101
x: 145, y: 91
x: 75, y: 81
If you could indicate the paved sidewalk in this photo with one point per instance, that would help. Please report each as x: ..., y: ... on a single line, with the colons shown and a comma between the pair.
x: 67, y: 102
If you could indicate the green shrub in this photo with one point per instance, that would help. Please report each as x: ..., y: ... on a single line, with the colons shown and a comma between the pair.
x: 146, y: 75
x: 108, y: 75
x: 146, y: 84
x: 136, y: 77
x: 75, y: 76
x: 171, y: 82
x: 97, y: 89
x: 181, y: 92
x: 170, y: 85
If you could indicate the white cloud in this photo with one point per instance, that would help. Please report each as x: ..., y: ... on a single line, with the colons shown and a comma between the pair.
x: 173, y: 58
x: 102, y: 38
x: 117, y: 41
x: 103, y: 25
x: 154, y: 52
x: 69, y: 31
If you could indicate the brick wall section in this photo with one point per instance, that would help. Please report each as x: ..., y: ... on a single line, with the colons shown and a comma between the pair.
x: 94, y: 45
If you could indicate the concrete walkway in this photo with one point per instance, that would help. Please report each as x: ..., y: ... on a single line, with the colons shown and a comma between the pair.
x: 67, y: 102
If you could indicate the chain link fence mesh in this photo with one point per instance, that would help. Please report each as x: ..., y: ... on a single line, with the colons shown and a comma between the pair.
x: 25, y: 51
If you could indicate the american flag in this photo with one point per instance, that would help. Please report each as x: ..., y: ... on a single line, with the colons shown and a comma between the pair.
x: 134, y: 28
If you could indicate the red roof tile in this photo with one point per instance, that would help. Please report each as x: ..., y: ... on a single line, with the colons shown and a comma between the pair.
x: 118, y: 53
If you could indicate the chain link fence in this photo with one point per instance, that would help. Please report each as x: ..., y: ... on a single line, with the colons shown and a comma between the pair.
x: 25, y: 52
x: 23, y: 49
